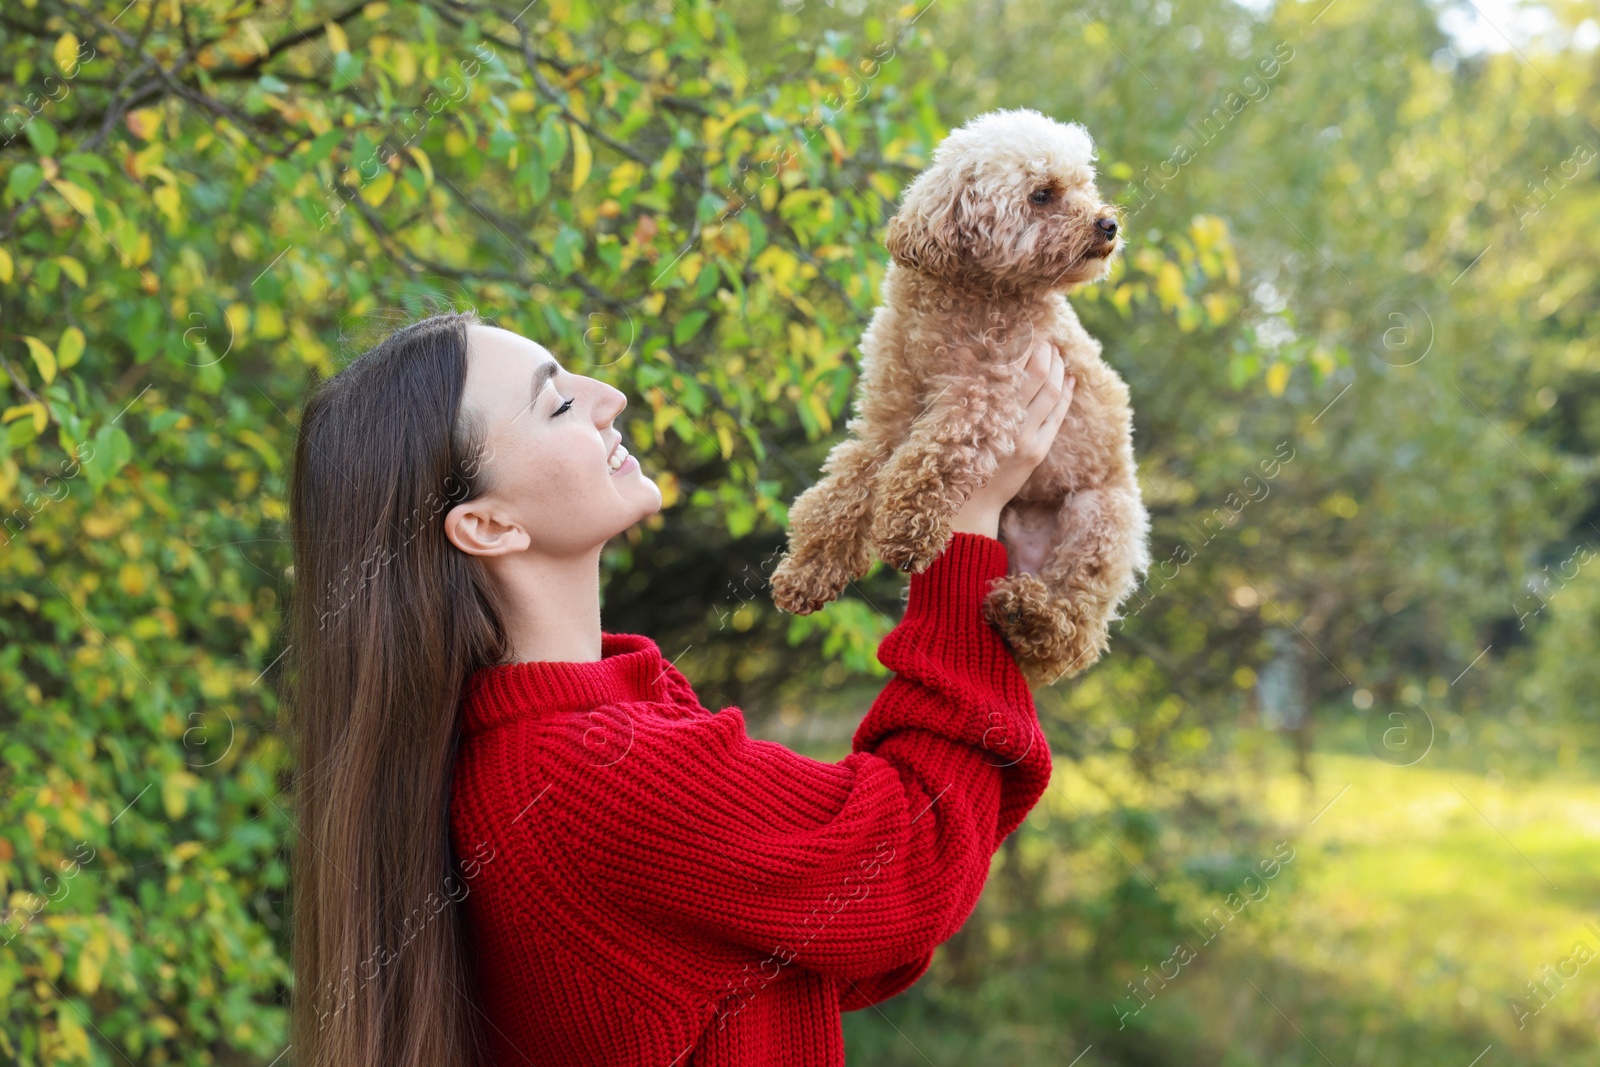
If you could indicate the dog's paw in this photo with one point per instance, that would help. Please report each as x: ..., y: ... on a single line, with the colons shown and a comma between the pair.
x: 910, y: 540
x: 1050, y: 636
x: 1021, y: 608
x: 801, y: 590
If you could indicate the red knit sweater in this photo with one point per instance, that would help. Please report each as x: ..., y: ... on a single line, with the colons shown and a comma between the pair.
x: 646, y: 885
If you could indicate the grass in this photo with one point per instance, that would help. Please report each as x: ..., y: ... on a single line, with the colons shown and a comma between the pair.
x: 1422, y: 902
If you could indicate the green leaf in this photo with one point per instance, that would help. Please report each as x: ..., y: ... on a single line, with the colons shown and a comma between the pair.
x: 566, y: 248
x: 321, y: 147
x: 42, y: 136
x: 688, y: 326
x: 25, y: 178
x: 112, y: 451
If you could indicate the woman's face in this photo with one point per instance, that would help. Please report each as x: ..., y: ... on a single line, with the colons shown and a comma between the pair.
x: 549, y: 447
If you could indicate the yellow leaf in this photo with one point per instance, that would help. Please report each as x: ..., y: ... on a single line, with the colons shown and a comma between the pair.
x: 424, y: 164
x: 81, y: 199
x: 34, y: 408
x: 43, y: 358
x: 92, y: 961
x: 819, y: 410
x: 667, y: 482
x: 72, y: 1038
x: 167, y: 199
x: 1277, y: 378
x: 175, y: 789
x: 131, y: 578
x: 6, y: 273
x: 581, y: 157
x: 336, y: 38
x: 143, y: 123
x: 377, y: 190
x: 1169, y: 286
x: 269, y: 322
x: 1216, y: 307
x: 70, y: 347
x: 835, y: 142
x: 238, y: 316
x: 668, y: 163
x: 66, y: 53
x: 1324, y: 361
x: 521, y: 101
x: 73, y: 269
x: 405, y: 63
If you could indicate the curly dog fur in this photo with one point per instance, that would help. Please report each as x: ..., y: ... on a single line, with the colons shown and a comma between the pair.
x: 987, y: 241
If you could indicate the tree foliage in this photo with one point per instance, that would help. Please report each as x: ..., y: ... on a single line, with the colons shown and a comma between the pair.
x: 205, y: 206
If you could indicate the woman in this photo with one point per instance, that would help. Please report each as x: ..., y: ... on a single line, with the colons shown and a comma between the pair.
x: 523, y: 840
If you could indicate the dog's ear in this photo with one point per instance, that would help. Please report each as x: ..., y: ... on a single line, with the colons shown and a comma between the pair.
x: 928, y: 232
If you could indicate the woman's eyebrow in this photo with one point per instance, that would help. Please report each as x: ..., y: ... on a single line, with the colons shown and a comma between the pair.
x: 542, y: 375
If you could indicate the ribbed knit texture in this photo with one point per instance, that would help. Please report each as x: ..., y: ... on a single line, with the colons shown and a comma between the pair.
x: 649, y: 886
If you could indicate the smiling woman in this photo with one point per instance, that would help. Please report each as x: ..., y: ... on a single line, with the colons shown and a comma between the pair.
x: 558, y: 484
x: 395, y: 609
x: 523, y: 839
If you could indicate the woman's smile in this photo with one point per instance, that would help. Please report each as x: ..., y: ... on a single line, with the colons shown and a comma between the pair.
x: 621, y: 461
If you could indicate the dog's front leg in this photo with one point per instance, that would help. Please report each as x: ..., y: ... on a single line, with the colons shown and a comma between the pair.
x: 828, y: 531
x: 952, y: 450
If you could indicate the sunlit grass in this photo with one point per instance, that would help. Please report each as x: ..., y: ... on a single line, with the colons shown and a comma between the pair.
x: 1422, y: 900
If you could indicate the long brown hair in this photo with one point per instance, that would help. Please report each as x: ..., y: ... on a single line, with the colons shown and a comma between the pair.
x: 388, y: 622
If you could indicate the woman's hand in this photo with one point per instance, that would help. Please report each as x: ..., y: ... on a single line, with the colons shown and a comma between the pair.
x: 1046, y: 389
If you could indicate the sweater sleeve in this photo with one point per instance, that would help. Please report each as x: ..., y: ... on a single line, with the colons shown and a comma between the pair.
x: 855, y: 869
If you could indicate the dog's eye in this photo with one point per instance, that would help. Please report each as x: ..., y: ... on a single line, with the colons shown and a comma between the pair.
x: 1042, y: 196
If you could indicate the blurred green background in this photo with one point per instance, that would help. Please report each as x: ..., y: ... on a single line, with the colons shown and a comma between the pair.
x: 1354, y: 312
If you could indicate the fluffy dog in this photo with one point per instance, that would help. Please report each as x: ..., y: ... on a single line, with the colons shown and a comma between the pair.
x: 984, y: 247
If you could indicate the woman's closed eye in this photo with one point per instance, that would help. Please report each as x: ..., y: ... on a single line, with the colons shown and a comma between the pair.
x: 565, y: 404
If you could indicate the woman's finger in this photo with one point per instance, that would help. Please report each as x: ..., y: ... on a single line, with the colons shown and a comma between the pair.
x: 1038, y: 442
x: 1058, y: 414
x: 1036, y: 372
x: 1049, y: 392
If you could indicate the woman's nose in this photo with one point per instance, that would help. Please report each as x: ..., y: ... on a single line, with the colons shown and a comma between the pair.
x: 611, y: 404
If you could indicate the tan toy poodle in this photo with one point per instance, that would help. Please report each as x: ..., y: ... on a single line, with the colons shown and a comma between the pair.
x: 984, y: 248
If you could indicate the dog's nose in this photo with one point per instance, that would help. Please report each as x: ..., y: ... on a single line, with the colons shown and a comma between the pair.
x: 1107, y: 227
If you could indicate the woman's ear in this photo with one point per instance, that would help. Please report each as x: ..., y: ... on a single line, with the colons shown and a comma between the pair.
x: 474, y: 527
